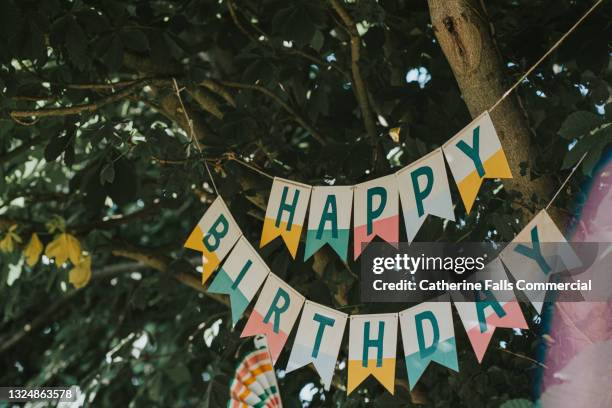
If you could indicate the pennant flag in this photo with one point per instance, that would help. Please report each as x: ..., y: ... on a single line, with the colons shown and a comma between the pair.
x: 482, y: 317
x: 285, y: 213
x: 423, y: 189
x: 428, y: 335
x: 376, y: 212
x: 329, y: 220
x: 474, y: 154
x: 274, y: 314
x: 318, y: 340
x: 240, y: 277
x: 536, y: 253
x: 254, y: 383
x: 214, y: 236
x: 372, y: 347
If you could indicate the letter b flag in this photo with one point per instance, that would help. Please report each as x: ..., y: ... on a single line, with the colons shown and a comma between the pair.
x: 474, y: 154
x: 214, y: 236
x: 285, y: 214
x: 318, y: 340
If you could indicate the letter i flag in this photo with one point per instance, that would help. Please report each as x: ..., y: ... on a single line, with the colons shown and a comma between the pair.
x: 376, y: 212
x: 318, y: 340
x: 285, y: 214
x: 274, y: 314
x: 536, y: 253
x: 423, y: 190
x: 428, y: 335
x: 240, y: 277
x: 329, y: 219
x: 372, y: 347
x: 474, y: 154
x: 482, y: 316
x: 214, y: 236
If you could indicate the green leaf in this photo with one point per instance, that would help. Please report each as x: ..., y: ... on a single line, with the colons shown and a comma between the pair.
x: 517, y: 403
x: 578, y: 124
x: 107, y: 174
x: 135, y: 40
x: 113, y: 56
x: 56, y: 146
x: 179, y: 374
x: 76, y: 45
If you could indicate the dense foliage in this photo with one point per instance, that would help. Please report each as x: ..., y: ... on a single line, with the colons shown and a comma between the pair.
x: 118, y: 169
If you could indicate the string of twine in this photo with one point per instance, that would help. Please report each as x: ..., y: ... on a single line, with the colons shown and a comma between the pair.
x: 567, y: 179
x: 192, y: 137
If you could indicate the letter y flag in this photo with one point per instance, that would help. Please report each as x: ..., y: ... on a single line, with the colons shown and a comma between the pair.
x: 274, y: 314
x: 474, y: 154
x: 214, y: 236
x: 285, y: 214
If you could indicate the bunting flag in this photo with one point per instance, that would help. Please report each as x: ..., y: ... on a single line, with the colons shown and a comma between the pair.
x: 285, y: 214
x: 376, y: 212
x: 536, y: 253
x: 474, y: 154
x: 428, y: 335
x: 254, y: 383
x: 240, y: 277
x: 318, y: 340
x: 329, y: 220
x: 214, y: 236
x: 423, y: 189
x: 274, y: 314
x: 482, y: 317
x: 372, y: 347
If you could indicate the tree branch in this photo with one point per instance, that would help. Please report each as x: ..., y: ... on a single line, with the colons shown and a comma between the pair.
x: 296, y: 116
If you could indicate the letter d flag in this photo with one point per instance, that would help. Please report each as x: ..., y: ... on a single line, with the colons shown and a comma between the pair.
x: 474, y: 154
x: 214, y: 236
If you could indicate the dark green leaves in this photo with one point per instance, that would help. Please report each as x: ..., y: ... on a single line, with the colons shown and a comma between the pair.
x: 578, y: 124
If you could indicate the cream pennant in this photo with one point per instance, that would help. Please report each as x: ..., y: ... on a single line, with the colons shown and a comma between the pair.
x: 428, y: 335
x: 376, y: 212
x: 536, y: 253
x: 492, y: 309
x: 329, y: 219
x: 214, y: 236
x: 474, y: 154
x: 423, y: 190
x: 274, y: 314
x: 285, y: 214
x: 318, y: 340
x: 372, y: 347
x: 240, y: 277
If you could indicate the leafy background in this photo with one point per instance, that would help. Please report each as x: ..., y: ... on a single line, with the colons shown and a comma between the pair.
x: 268, y: 82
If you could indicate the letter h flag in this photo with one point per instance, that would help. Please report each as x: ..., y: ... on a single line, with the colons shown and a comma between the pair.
x: 372, y: 347
x: 274, y: 314
x: 214, y: 236
x: 285, y: 213
x: 474, y: 154
x: 318, y: 340
x: 536, y: 253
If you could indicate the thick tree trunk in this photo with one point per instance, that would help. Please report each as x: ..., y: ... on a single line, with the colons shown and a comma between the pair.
x: 465, y: 38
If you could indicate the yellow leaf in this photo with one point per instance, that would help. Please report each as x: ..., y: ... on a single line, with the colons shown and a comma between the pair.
x: 394, y: 134
x: 64, y: 247
x: 10, y: 238
x: 80, y: 275
x: 33, y: 250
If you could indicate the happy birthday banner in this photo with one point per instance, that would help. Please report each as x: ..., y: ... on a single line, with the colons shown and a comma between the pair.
x: 427, y: 329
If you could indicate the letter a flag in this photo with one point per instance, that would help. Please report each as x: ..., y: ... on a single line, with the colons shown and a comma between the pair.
x: 214, y: 236
x: 285, y: 213
x: 428, y: 335
x: 240, y: 277
x: 329, y: 219
x: 536, y: 253
x: 491, y: 309
x: 318, y: 340
x: 376, y: 212
x: 372, y: 347
x: 474, y: 154
x: 423, y: 189
x: 274, y: 314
